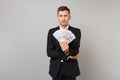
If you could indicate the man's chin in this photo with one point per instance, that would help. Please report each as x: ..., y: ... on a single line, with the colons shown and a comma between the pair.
x: 64, y: 25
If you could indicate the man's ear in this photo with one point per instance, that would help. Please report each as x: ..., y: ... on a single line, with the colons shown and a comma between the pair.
x: 57, y: 17
x: 70, y: 18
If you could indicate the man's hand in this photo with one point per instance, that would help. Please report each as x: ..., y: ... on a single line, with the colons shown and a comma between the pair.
x: 64, y: 46
x: 73, y: 57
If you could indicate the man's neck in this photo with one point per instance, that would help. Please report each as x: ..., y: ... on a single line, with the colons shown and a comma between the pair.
x: 64, y: 27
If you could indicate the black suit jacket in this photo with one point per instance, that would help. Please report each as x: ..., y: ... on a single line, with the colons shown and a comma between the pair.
x: 56, y: 54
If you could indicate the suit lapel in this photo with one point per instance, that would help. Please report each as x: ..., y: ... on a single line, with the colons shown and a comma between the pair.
x: 70, y: 28
x: 58, y: 28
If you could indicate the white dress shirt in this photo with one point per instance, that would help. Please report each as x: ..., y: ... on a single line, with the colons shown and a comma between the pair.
x: 61, y: 28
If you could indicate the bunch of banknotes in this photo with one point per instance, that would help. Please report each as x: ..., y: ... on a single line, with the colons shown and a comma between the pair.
x: 64, y: 35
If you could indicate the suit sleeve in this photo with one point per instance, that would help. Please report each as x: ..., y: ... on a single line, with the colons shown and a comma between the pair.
x: 75, y: 45
x: 51, y: 51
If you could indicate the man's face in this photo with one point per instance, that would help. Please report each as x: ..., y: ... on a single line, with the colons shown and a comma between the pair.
x: 63, y: 18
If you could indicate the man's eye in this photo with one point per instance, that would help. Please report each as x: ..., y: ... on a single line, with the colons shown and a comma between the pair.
x: 65, y: 15
x: 60, y: 15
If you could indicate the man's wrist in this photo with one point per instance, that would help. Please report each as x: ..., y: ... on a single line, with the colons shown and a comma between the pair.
x: 67, y: 53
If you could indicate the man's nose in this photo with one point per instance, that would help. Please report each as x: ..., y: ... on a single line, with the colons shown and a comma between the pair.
x: 63, y: 18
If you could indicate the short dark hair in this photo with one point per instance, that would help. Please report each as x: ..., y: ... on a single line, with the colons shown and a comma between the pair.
x: 63, y: 8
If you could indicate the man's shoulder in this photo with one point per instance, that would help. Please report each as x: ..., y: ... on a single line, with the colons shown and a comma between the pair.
x: 74, y: 28
x: 52, y: 30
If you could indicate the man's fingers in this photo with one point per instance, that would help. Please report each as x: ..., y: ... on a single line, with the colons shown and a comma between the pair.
x: 64, y: 46
x: 73, y: 57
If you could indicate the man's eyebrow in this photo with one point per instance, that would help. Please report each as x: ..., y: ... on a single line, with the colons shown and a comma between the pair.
x: 62, y: 15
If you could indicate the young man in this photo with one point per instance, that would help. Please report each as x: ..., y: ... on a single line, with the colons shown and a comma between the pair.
x: 63, y: 56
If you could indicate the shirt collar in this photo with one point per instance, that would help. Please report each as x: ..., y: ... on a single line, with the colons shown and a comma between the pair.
x: 64, y: 28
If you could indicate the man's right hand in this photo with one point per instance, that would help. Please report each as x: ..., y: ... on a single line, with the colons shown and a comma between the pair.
x: 64, y: 46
